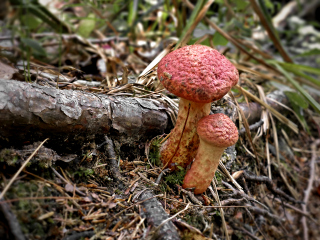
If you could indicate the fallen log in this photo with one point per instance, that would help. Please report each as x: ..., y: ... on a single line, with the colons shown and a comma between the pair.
x: 30, y: 112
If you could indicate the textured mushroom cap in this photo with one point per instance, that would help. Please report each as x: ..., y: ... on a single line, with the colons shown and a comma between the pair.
x: 197, y: 73
x: 218, y: 130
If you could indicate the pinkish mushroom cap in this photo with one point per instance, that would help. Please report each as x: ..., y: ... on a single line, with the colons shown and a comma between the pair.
x: 218, y: 130
x: 197, y: 73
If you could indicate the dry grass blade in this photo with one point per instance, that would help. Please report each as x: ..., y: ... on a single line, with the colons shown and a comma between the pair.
x: 254, y: 72
x: 246, y: 126
x: 153, y: 64
x: 231, y: 39
x: 309, y: 188
x: 121, y: 89
x: 40, y: 198
x: 278, y: 115
x: 272, y: 76
x: 289, y: 109
x: 216, y: 196
x: 21, y: 168
x: 265, y: 119
x: 229, y: 7
x: 276, y: 144
x: 203, y: 38
x: 185, y: 35
x: 225, y: 171
x: 271, y: 31
x: 256, y: 49
x: 172, y: 217
x: 199, y: 17
x: 137, y: 228
x: 268, y: 157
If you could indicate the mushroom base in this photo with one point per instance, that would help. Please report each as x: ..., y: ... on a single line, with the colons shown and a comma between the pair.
x: 181, y: 147
x: 203, y: 168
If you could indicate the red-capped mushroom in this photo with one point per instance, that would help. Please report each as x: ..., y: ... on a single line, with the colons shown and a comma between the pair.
x: 198, y: 75
x: 216, y: 133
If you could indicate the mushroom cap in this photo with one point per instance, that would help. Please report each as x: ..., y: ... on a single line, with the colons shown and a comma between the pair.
x: 197, y: 73
x: 218, y: 130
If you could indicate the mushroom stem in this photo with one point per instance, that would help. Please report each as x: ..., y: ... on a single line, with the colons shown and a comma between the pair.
x: 216, y: 133
x: 181, y: 148
x: 203, y: 168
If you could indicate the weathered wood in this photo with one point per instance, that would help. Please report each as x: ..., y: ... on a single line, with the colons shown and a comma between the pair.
x: 155, y: 214
x: 30, y: 112
x: 11, y: 220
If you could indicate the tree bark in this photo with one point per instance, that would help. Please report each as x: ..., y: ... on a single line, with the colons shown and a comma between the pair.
x: 11, y: 221
x: 30, y: 112
x: 155, y: 214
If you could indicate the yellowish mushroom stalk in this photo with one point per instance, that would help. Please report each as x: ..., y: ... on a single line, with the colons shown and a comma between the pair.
x: 181, y: 148
x: 216, y: 133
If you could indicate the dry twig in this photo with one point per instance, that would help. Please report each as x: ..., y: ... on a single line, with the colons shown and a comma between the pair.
x: 309, y: 188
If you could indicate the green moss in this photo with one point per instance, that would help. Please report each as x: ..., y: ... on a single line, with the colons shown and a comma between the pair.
x: 219, y: 176
x: 154, y: 151
x: 37, y: 228
x: 8, y: 156
x: 194, y: 219
x: 163, y: 187
x: 188, y: 218
x: 50, y: 220
x: 118, y: 192
x: 176, y: 177
x: 84, y: 172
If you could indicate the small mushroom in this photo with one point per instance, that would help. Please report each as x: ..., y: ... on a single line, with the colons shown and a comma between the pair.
x: 216, y: 133
x: 198, y: 75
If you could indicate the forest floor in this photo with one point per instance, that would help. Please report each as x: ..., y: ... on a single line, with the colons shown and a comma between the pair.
x: 108, y: 182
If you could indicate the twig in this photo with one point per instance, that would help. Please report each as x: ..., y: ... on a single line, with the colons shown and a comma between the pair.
x: 11, y: 220
x: 255, y: 223
x: 264, y: 212
x: 225, y: 171
x: 251, y: 127
x: 63, y: 179
x: 147, y: 151
x: 231, y: 201
x: 60, y: 189
x: 191, y: 196
x: 170, y: 218
x: 306, y: 214
x: 112, y: 159
x: 21, y: 168
x: 260, y: 211
x: 221, y: 210
x: 201, y: 206
x: 270, y: 185
x: 243, y: 230
x: 79, y: 235
x: 244, y: 195
x: 39, y: 198
x: 148, y: 180
x: 161, y: 174
x: 309, y: 188
x: 137, y: 227
x: 137, y: 203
